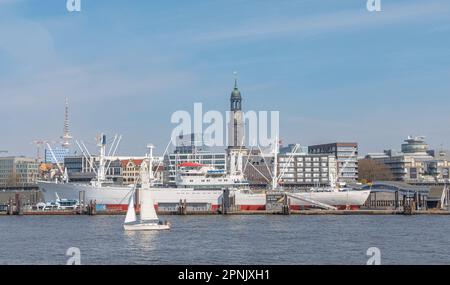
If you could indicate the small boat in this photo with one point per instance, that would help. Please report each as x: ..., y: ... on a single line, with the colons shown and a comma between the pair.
x: 149, y: 220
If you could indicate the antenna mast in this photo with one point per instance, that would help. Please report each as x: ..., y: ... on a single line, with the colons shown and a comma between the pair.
x: 66, y: 135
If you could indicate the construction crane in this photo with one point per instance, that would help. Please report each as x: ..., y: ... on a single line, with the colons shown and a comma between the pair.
x: 39, y: 144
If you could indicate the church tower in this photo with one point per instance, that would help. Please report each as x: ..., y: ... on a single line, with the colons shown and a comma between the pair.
x: 236, y: 127
x: 236, y: 147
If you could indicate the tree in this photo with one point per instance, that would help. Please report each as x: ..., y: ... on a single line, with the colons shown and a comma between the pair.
x: 13, y: 179
x: 370, y: 170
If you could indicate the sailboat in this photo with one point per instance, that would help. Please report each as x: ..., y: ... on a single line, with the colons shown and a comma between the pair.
x: 149, y: 220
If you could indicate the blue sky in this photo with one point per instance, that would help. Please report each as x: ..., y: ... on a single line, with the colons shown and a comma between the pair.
x: 335, y: 71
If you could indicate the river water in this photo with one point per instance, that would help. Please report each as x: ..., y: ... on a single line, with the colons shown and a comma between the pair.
x: 255, y: 239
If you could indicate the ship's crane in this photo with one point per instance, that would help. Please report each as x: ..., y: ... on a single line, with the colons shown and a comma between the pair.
x: 56, y: 160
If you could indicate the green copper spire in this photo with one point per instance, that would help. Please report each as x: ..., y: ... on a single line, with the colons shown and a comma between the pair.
x: 236, y: 98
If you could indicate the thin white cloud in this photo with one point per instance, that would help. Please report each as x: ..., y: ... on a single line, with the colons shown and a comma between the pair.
x: 90, y: 83
x: 331, y: 22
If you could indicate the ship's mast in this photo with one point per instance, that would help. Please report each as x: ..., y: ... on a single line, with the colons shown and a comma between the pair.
x: 150, y: 163
x: 332, y: 179
x: 275, y: 164
x: 102, y: 164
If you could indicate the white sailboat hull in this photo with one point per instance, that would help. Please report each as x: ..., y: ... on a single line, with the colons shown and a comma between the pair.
x: 145, y: 227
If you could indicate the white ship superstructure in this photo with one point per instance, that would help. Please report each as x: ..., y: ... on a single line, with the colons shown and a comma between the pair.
x: 198, y: 176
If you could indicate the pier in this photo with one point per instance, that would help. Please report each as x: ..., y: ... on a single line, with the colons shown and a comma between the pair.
x: 291, y: 212
x: 390, y: 201
x: 15, y: 207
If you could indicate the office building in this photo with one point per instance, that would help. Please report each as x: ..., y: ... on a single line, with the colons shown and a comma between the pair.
x: 346, y: 155
x: 298, y: 168
x: 18, y: 171
x: 191, y: 148
x: 258, y: 169
x: 415, y: 162
x: 172, y: 160
x: 80, y: 169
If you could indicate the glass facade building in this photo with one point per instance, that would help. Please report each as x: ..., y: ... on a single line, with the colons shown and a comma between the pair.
x: 60, y: 155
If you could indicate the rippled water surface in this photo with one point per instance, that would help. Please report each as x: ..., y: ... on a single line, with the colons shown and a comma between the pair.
x: 228, y: 240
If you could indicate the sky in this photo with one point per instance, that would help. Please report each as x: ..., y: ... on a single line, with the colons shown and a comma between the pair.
x: 334, y: 70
